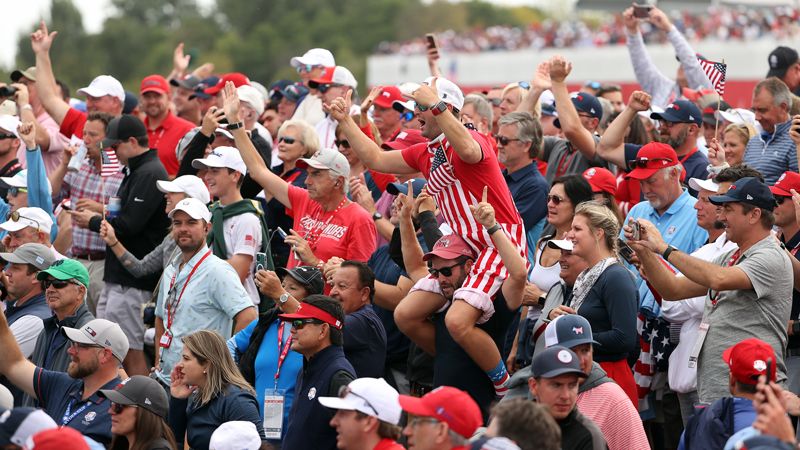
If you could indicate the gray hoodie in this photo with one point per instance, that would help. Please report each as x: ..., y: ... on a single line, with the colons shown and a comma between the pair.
x: 518, y: 385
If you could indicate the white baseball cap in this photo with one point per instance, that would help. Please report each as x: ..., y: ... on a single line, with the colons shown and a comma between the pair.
x: 102, y: 332
x: 104, y: 85
x: 195, y: 208
x: 19, y: 180
x: 227, y: 157
x: 737, y: 116
x: 8, y: 108
x: 371, y: 396
x: 235, y: 435
x: 560, y: 244
x: 28, y: 217
x: 335, y: 75
x: 448, y: 91
x: 699, y: 184
x: 252, y: 97
x: 327, y: 159
x: 314, y: 57
x: 224, y: 131
x: 9, y: 123
x: 187, y: 184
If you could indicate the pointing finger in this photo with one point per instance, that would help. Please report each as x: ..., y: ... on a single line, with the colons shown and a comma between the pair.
x: 485, y: 194
x: 411, y: 188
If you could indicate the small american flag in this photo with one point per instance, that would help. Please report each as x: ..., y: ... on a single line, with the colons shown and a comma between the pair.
x: 110, y: 164
x: 716, y: 73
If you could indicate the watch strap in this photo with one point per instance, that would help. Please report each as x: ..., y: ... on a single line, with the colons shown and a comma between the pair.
x: 235, y: 126
x: 284, y: 298
x: 668, y: 252
x: 494, y: 228
x: 439, y: 108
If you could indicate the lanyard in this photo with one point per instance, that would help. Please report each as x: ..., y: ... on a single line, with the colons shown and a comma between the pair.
x: 67, y: 417
x: 282, y: 353
x: 731, y: 262
x: 562, y: 166
x: 154, y: 142
x: 686, y: 156
x: 171, y: 311
x: 313, y: 235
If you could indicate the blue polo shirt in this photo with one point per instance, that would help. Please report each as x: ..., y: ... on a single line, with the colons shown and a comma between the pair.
x: 529, y: 190
x: 365, y: 342
x: 772, y: 154
x: 678, y: 227
x: 61, y: 397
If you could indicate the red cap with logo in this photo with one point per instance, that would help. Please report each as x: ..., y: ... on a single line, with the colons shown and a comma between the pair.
x: 405, y: 139
x: 450, y: 247
x: 387, y: 96
x: 748, y: 360
x: 651, y: 158
x: 309, y: 311
x: 154, y: 83
x: 238, y: 79
x: 449, y: 405
x: 601, y: 180
x: 783, y: 187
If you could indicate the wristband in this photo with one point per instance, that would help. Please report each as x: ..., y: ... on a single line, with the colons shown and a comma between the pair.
x: 668, y: 252
x: 114, y: 244
x: 235, y: 126
x: 494, y: 228
x: 439, y: 108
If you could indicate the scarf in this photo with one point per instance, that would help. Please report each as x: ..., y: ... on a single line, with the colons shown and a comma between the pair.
x: 216, y: 238
x: 247, y: 362
x: 585, y: 281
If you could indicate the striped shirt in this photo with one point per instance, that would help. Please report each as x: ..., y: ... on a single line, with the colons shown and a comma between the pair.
x: 87, y: 183
x: 772, y: 154
x: 611, y: 410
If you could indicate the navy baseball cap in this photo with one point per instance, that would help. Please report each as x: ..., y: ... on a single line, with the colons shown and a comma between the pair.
x: 569, y: 330
x: 555, y: 361
x: 748, y: 190
x: 780, y: 60
x: 680, y: 111
x: 199, y: 89
x: 585, y: 103
x: 294, y: 92
x: 275, y: 89
x: 402, y: 188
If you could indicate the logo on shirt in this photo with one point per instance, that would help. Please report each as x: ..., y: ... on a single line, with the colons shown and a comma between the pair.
x: 312, y: 393
x: 137, y: 199
x: 90, y: 416
x: 672, y: 229
x: 248, y: 240
x: 331, y: 231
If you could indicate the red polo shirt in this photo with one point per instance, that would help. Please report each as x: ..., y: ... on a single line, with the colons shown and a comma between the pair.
x: 165, y: 138
x: 73, y: 123
x: 388, y: 444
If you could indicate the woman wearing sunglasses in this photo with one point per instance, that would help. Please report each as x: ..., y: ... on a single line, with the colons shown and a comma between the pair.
x: 374, y: 182
x: 139, y: 408
x: 207, y: 390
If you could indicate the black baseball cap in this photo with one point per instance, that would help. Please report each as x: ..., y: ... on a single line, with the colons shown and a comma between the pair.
x: 141, y: 391
x: 555, y: 361
x: 748, y: 190
x: 187, y: 82
x: 568, y: 330
x: 122, y: 128
x: 680, y: 111
x: 780, y: 60
x: 309, y: 277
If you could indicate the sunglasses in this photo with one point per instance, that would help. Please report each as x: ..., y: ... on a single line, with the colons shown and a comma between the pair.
x: 556, y: 199
x: 116, y: 408
x: 58, y: 284
x: 444, y: 271
x: 300, y: 323
x: 305, y: 68
x: 7, y: 136
x: 502, y: 140
x: 343, y: 143
x: 524, y: 85
x: 288, y: 140
x: 14, y: 191
x: 645, y: 163
x: 323, y: 88
x: 344, y: 391
x: 779, y: 199
x: 16, y: 216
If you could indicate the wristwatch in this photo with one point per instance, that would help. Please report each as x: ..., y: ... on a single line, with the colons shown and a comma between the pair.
x: 668, y: 252
x: 284, y: 298
x: 439, y: 108
x: 377, y: 216
x: 235, y: 126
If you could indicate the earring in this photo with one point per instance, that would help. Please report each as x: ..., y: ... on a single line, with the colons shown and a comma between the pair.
x: 205, y: 372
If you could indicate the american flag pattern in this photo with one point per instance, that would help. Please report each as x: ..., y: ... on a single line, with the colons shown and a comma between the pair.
x: 110, y: 164
x: 716, y: 73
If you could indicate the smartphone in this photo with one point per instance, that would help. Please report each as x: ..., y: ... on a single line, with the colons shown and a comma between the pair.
x: 769, y: 370
x: 637, y: 230
x: 625, y: 251
x: 261, y: 261
x: 431, y: 40
x: 281, y: 233
x: 641, y: 11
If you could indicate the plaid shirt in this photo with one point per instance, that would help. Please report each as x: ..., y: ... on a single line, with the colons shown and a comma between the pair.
x: 87, y: 183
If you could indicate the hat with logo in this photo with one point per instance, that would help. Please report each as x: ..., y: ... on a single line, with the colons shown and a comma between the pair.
x: 37, y: 255
x: 780, y: 60
x: 101, y: 332
x: 190, y: 185
x: 28, y: 217
x: 154, y: 83
x: 10, y: 122
x: 294, y: 92
x: 737, y: 116
x: 18, y: 424
x: 104, y: 85
x: 449, y: 405
x: 66, y: 269
x: 387, y: 96
x: 29, y: 73
x: 335, y: 75
x: 141, y: 391
x: 123, y: 128
x: 783, y: 187
x: 57, y: 439
x: 274, y: 92
x: 450, y: 246
x: 680, y: 111
x: 748, y: 190
x: 405, y: 139
x: 748, y: 360
x: 327, y: 159
x: 310, y: 277
x: 235, y: 435
x: 560, y: 244
x: 238, y: 79
x: 568, y: 330
x: 314, y: 57
x: 703, y: 184
x: 651, y: 158
x: 227, y: 157
x: 371, y: 396
x: 402, y: 188
x: 601, y: 180
x: 585, y: 103
x: 448, y: 92
x: 195, y: 208
x: 205, y: 83
x: 251, y: 96
x: 189, y: 81
x: 309, y: 311
x: 554, y: 361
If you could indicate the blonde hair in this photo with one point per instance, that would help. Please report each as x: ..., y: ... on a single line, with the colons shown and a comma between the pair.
x: 600, y: 217
x: 308, y: 136
x: 743, y: 130
x: 210, y: 348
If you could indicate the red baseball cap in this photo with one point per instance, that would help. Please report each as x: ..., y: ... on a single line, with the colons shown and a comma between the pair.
x: 154, y: 83
x: 601, y: 180
x: 57, y: 439
x: 405, y: 139
x: 651, y: 158
x: 449, y: 405
x: 450, y: 247
x: 238, y: 79
x: 309, y: 311
x: 387, y: 96
x: 783, y: 187
x: 748, y: 360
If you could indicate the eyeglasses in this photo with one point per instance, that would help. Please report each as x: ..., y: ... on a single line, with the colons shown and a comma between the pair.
x: 7, y: 136
x: 288, y: 140
x: 343, y: 143
x: 445, y: 271
x: 323, y: 88
x: 58, y: 284
x: 14, y: 191
x: 116, y: 408
x: 16, y: 216
x: 556, y: 199
x: 344, y: 391
x: 779, y: 199
x: 502, y: 140
x: 420, y: 420
x: 300, y: 323
x: 645, y: 163
x: 81, y: 345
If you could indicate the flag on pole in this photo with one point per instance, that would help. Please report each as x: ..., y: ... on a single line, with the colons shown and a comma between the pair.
x: 109, y: 164
x: 716, y: 73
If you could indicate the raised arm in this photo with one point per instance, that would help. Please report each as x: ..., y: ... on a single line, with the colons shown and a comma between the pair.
x: 611, y: 146
x: 568, y: 116
x: 256, y: 167
x: 539, y: 84
x: 412, y: 252
x: 41, y: 40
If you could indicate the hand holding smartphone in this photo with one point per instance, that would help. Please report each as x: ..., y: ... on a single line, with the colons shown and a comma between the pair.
x: 641, y: 11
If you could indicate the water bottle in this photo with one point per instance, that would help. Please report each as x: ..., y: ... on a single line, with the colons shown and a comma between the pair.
x: 77, y: 159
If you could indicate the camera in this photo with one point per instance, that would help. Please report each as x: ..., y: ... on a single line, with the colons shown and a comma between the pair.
x: 7, y: 91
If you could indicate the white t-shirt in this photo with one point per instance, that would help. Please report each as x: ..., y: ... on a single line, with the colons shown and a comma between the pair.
x: 26, y: 331
x: 243, y: 237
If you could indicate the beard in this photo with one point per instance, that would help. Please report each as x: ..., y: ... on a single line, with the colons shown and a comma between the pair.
x: 678, y: 140
x: 192, y: 246
x: 83, y: 369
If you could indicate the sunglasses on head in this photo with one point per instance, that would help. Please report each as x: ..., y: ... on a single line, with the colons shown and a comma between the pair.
x: 342, y: 143
x: 556, y: 199
x: 502, y: 140
x: 116, y: 408
x: 58, y: 284
x: 300, y: 323
x: 16, y: 216
x: 344, y: 391
x: 14, y: 191
x: 6, y: 136
x: 524, y: 85
x: 445, y: 271
x: 645, y: 163
x: 288, y: 140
